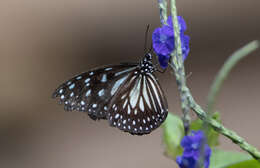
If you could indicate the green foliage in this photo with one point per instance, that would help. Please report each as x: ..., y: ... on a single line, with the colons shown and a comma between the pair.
x: 212, y: 135
x: 173, y: 132
x: 246, y: 164
x: 227, y: 159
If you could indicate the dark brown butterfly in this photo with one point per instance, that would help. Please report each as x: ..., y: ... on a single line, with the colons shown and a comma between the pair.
x: 128, y: 95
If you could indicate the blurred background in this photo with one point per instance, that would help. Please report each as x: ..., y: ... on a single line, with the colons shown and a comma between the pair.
x: 43, y: 43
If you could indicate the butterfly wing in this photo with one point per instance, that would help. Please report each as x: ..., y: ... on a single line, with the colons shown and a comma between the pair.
x: 91, y: 91
x: 139, y: 106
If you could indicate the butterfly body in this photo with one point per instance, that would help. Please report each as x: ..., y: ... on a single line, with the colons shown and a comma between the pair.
x: 127, y: 95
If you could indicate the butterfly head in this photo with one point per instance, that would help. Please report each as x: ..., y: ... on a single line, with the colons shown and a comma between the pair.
x: 146, y: 64
x: 148, y: 57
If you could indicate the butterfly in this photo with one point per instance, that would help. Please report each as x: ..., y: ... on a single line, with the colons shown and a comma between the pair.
x: 128, y: 95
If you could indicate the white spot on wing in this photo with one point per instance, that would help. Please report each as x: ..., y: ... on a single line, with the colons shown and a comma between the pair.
x: 134, y: 122
x: 88, y: 93
x: 124, y: 71
x: 104, y: 78
x: 128, y: 109
x: 72, y: 86
x: 87, y: 80
x: 60, y: 91
x: 101, y: 92
x: 107, y: 69
x: 117, y: 84
x: 69, y: 82
x: 82, y: 103
x: 152, y: 98
x: 79, y: 77
x: 155, y: 90
x: 117, y: 116
x: 135, y: 93
x: 133, y: 78
x: 148, y: 119
x: 124, y: 96
x: 145, y: 95
x: 125, y: 103
x: 135, y: 112
x: 141, y: 104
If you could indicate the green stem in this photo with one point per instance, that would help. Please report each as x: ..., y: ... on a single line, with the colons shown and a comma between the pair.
x: 225, y: 70
x: 177, y: 61
x: 187, y: 100
x: 224, y: 131
x: 163, y: 11
x: 176, y: 31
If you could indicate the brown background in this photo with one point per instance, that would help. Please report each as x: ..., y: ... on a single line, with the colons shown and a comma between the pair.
x: 42, y: 43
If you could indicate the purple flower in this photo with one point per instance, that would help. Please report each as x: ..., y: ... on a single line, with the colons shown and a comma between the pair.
x: 192, y: 145
x: 181, y: 21
x: 163, y: 60
x: 163, y: 41
x: 185, y: 41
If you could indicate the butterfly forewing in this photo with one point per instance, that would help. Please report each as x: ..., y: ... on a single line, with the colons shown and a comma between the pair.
x: 92, y: 91
x: 139, y: 106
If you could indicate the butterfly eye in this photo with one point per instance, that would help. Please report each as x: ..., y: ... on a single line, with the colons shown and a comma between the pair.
x: 127, y: 95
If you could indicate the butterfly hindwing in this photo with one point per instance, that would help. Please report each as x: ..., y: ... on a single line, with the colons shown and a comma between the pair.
x: 139, y: 106
x: 91, y: 91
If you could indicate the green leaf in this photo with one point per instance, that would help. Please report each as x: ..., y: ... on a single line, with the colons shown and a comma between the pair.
x: 212, y: 135
x: 224, y: 159
x: 246, y: 164
x: 173, y: 131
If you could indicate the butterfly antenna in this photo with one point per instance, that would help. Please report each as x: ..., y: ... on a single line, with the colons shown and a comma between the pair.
x: 151, y: 47
x: 189, y: 75
x: 145, y: 37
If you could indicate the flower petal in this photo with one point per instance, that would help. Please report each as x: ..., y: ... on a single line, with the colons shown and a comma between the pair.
x: 163, y: 60
x: 192, y: 145
x: 164, y: 41
x: 181, y: 21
